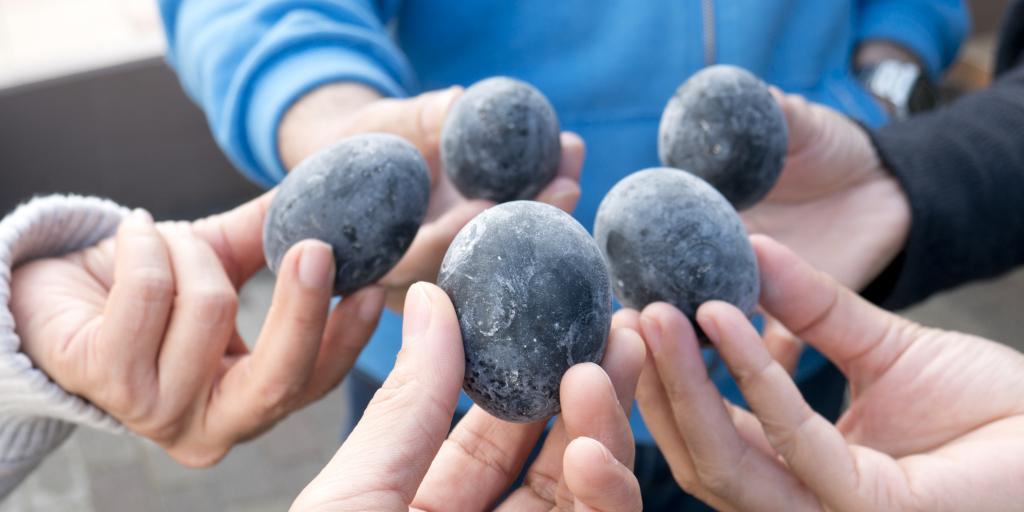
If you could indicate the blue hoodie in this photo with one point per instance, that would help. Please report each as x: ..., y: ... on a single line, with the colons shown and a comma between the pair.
x: 608, y: 67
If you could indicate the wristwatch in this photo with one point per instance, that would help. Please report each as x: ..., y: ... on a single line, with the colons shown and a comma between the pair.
x: 903, y: 86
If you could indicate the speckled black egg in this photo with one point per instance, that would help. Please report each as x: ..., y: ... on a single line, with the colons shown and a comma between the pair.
x: 501, y: 141
x: 669, y: 236
x: 365, y: 196
x: 724, y: 125
x: 533, y: 298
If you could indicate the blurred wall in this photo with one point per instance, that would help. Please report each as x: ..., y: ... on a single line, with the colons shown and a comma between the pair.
x: 128, y: 133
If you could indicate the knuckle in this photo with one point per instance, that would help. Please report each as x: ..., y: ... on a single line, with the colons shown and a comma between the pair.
x: 210, y: 305
x: 716, y: 479
x: 488, y: 454
x: 194, y: 456
x: 686, y: 480
x: 124, y: 401
x: 162, y: 429
x: 544, y: 487
x: 275, y: 399
x: 150, y: 284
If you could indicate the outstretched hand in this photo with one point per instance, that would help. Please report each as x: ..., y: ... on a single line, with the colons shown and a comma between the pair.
x: 336, y: 111
x: 401, y: 455
x: 834, y: 204
x: 143, y: 326
x: 935, y: 422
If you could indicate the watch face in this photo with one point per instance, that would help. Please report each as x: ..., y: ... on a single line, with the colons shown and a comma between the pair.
x: 901, y: 85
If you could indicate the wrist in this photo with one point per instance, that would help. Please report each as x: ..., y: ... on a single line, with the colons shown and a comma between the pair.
x: 875, y: 51
x: 314, y: 120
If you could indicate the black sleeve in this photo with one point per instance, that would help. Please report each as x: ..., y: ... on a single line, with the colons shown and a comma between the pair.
x: 962, y: 167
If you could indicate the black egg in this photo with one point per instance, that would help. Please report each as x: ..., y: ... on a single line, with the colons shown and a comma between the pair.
x: 724, y: 125
x: 533, y: 298
x: 501, y: 141
x: 365, y: 196
x: 669, y: 236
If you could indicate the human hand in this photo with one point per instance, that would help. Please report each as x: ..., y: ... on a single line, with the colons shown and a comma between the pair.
x: 834, y: 204
x: 143, y: 326
x: 401, y: 439
x: 336, y: 111
x: 935, y: 422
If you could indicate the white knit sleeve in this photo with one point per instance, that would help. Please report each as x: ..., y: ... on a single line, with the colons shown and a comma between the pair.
x: 36, y: 415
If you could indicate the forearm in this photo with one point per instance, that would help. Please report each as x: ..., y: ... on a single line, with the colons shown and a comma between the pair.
x: 36, y: 415
x: 962, y: 168
x: 247, y: 63
x: 312, y: 122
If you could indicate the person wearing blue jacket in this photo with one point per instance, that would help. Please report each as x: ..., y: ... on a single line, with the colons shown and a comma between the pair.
x: 279, y: 80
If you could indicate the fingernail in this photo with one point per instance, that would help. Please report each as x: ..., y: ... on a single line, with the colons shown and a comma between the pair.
x: 709, y: 326
x: 652, y: 333
x: 141, y: 216
x: 437, y: 109
x: 316, y: 265
x: 417, y: 311
x: 595, y: 445
x: 371, y: 304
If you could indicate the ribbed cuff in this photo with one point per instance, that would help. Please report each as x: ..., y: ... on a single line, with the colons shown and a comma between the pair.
x: 296, y: 74
x: 919, y: 28
x: 36, y: 415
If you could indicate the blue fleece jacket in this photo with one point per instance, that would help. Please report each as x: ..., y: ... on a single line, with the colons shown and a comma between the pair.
x: 608, y: 67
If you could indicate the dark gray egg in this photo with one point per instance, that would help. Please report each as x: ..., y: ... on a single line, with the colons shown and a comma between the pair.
x: 669, y: 236
x: 533, y: 298
x: 724, y: 125
x: 501, y: 141
x: 365, y: 196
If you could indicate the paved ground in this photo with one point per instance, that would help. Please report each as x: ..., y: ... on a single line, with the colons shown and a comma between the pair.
x: 103, y: 473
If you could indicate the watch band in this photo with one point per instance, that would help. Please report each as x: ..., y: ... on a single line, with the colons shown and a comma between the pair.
x: 902, y: 85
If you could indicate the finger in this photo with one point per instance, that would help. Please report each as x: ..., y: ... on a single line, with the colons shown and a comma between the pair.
x: 573, y: 154
x: 591, y: 408
x: 814, y: 307
x: 418, y: 120
x: 237, y: 237
x: 201, y: 326
x: 801, y: 123
x: 384, y: 459
x: 724, y: 464
x: 598, y: 481
x: 265, y: 385
x: 562, y: 193
x: 781, y: 344
x: 428, y: 248
x: 626, y: 318
x: 812, y: 447
x: 136, y: 313
x: 482, y: 449
x: 349, y: 328
x: 622, y: 362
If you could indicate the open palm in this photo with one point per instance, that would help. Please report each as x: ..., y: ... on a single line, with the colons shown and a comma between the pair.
x: 341, y: 110
x: 833, y: 192
x: 936, y: 419
x: 143, y: 326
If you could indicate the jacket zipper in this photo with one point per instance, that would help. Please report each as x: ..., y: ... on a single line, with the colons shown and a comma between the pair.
x: 707, y: 8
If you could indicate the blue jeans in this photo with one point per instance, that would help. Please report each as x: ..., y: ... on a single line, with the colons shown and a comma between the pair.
x: 823, y: 391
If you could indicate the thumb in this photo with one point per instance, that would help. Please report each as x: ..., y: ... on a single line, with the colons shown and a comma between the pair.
x: 597, y: 480
x: 803, y: 121
x: 237, y: 237
x: 418, y: 119
x: 386, y: 456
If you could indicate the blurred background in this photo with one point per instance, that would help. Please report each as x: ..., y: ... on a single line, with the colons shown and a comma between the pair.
x: 87, y: 105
